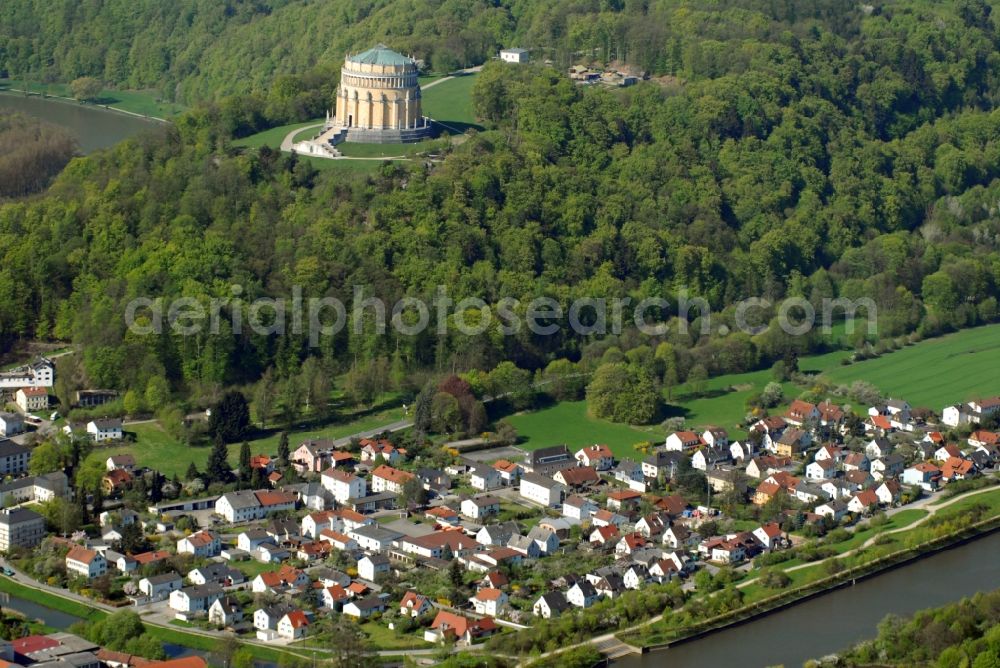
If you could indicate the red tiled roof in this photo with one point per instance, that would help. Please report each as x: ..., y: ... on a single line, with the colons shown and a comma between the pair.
x: 624, y: 495
x: 268, y: 498
x: 579, y: 475
x: 29, y: 644
x: 81, y: 554
x: 392, y: 474
x: 297, y: 618
x: 151, y: 557
x: 488, y: 594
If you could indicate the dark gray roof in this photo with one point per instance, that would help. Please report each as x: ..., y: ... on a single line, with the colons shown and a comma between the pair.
x: 9, y: 448
x: 18, y: 516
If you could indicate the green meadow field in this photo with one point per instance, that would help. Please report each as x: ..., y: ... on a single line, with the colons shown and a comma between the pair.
x: 936, y: 372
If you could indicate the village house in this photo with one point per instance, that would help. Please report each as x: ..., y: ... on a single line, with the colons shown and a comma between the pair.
x: 579, y: 507
x: 740, y: 451
x: 30, y: 399
x: 376, y: 450
x: 20, y: 527
x: 510, y: 472
x: 550, y: 605
x: 86, y: 563
x: 311, y: 456
x: 225, y: 612
x: 196, y: 599
x: 835, y: 509
x: 541, y: 490
x: 248, y: 505
x: 374, y: 538
x: 888, y: 492
x: 856, y: 461
x: 105, y: 429
x: 661, y: 462
x: 546, y: 461
x: 821, y: 469
x: 955, y: 468
x: 11, y: 424
x: 414, y: 605
x: 630, y: 472
x: 863, y: 502
x: 363, y: 608
x: 769, y: 535
x: 792, y: 442
x: 877, y: 448
x: 202, y: 544
x: 14, y: 457
x: 925, y: 475
x: 158, y: 587
x: 372, y: 566
x: 480, y: 507
x: 577, y: 477
x: 547, y: 541
x: 293, y: 625
x: 799, y: 412
x: 343, y: 485
x: 280, y: 580
x: 683, y: 441
x: 489, y: 601
x: 890, y: 466
x: 598, y: 457
x: 485, y: 478
x: 582, y: 594
x: 388, y: 479
x: 497, y: 534
x: 707, y: 457
x: 448, y: 626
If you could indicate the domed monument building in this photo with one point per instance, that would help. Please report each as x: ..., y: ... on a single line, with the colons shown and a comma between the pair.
x: 378, y: 102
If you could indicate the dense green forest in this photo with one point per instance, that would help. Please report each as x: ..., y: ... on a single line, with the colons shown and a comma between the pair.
x: 197, y: 49
x: 807, y: 148
x: 966, y: 633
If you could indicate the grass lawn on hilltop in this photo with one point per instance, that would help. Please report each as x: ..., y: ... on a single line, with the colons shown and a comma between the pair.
x: 450, y: 102
x: 936, y: 372
x: 273, y: 136
x: 141, y: 102
x: 390, y: 150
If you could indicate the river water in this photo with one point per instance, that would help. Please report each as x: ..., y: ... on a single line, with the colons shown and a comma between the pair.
x: 834, y: 621
x: 94, y: 127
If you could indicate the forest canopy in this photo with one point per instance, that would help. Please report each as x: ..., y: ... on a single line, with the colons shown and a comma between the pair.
x: 796, y: 149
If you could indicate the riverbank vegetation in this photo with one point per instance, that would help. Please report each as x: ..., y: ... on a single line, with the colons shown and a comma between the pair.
x: 966, y: 633
x: 32, y: 152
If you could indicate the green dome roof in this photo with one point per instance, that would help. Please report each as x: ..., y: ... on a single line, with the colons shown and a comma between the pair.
x: 380, y: 54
